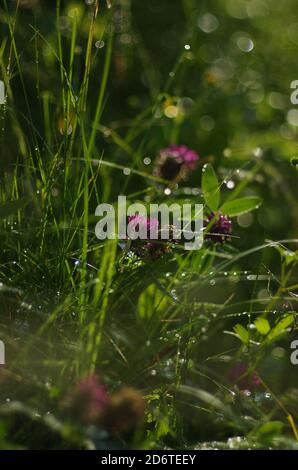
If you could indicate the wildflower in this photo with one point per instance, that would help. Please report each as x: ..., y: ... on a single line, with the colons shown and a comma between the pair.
x: 125, y: 411
x: 148, y: 248
x: 244, y: 379
x: 137, y: 221
x: 220, y: 229
x: 175, y: 162
x: 87, y: 400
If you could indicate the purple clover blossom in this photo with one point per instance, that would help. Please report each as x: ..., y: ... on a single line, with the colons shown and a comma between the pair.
x: 87, y: 399
x: 182, y: 154
x: 125, y: 411
x: 138, y: 221
x: 244, y: 379
x: 148, y: 248
x: 175, y: 161
x: 220, y: 229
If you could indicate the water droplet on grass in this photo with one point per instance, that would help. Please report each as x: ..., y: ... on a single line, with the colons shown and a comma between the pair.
x: 99, y: 44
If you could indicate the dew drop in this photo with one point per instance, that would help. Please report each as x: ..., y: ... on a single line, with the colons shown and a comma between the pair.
x: 230, y: 184
x: 99, y: 44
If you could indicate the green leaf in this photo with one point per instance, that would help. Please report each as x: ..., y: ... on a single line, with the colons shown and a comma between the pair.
x: 267, y: 430
x: 163, y: 427
x: 241, y: 206
x: 210, y: 187
x: 8, y: 209
x: 290, y: 256
x: 262, y: 325
x: 287, y: 255
x: 241, y: 333
x: 281, y: 326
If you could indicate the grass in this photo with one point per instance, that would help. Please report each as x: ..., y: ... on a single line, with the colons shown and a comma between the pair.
x: 174, y: 328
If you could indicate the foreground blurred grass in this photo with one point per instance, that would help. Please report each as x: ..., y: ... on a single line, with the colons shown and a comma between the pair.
x: 92, y: 94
